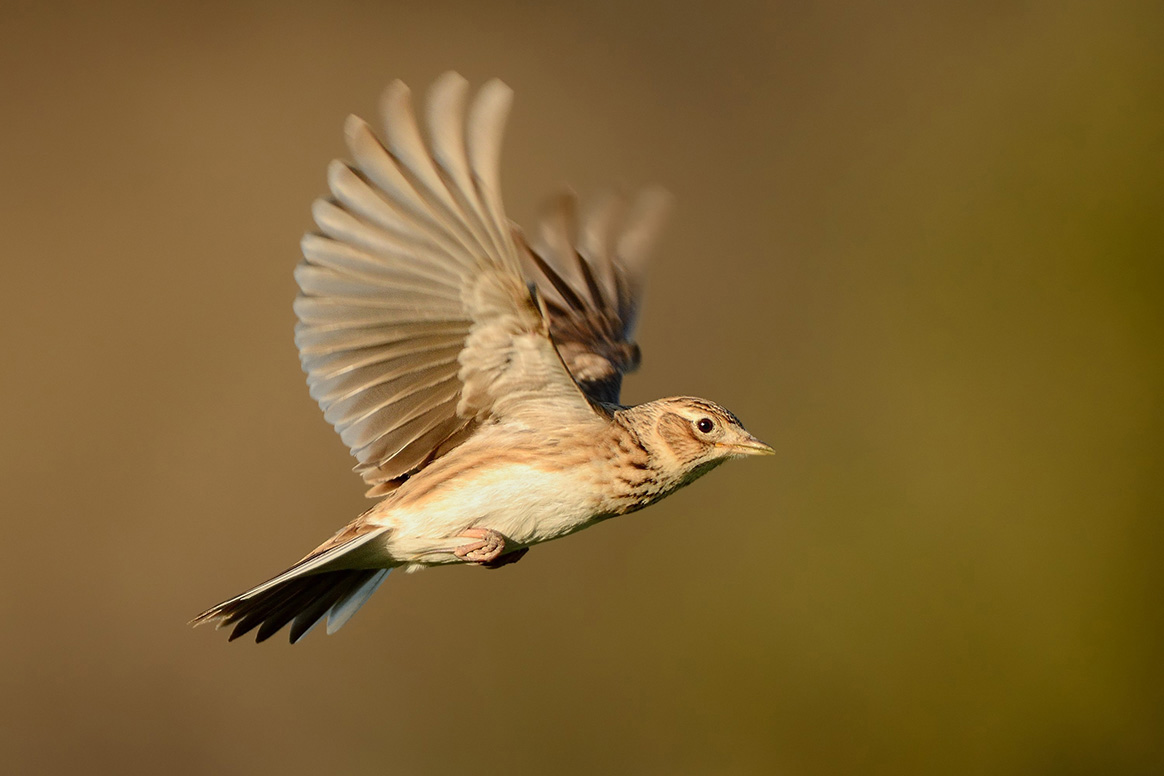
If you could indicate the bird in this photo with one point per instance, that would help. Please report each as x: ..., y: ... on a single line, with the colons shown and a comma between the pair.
x: 474, y: 373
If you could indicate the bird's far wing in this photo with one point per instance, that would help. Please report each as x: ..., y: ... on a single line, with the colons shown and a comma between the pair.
x: 415, y: 323
x: 589, y: 271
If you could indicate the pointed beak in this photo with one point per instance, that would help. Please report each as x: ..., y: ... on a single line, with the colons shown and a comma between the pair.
x: 749, y: 445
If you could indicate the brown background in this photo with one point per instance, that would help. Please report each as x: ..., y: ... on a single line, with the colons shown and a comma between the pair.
x: 916, y: 248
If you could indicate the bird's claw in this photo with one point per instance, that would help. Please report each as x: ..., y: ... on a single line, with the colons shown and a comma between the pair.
x: 489, y: 547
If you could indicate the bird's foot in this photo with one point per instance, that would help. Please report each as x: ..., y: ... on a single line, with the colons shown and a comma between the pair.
x: 487, y: 550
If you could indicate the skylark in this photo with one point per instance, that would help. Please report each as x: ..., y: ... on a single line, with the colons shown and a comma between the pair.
x: 474, y: 376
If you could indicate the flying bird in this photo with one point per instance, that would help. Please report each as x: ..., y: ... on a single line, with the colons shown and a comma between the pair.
x: 475, y: 375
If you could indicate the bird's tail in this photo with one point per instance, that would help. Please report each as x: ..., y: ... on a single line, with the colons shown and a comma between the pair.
x: 318, y: 586
x: 301, y: 601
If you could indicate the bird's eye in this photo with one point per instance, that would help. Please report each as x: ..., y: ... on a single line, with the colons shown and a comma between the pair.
x: 705, y: 425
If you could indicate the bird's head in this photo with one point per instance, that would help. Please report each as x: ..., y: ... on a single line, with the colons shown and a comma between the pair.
x: 688, y: 437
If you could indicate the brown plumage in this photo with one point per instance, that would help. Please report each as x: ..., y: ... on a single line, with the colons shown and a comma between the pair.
x: 475, y: 377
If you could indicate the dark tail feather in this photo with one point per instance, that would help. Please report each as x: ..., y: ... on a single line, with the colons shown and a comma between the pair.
x: 303, y: 601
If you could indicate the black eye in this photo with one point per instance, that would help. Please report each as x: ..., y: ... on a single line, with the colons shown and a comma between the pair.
x: 705, y: 425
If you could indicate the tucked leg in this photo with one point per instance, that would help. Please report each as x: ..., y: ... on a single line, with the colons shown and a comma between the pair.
x: 488, y: 547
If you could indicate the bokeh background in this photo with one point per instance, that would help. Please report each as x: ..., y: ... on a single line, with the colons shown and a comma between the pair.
x: 917, y: 247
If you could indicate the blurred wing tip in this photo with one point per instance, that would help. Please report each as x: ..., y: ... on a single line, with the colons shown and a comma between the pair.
x: 644, y: 224
x: 495, y: 86
x: 490, y: 109
x: 395, y: 90
x: 654, y: 202
x: 450, y: 79
x: 356, y: 130
x: 319, y: 208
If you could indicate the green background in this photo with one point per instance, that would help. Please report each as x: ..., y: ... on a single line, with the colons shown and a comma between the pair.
x: 917, y: 247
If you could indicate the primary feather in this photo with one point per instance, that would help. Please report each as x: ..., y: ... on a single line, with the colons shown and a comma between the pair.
x: 415, y: 322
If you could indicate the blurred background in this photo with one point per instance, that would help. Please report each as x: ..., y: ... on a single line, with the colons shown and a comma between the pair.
x: 919, y: 249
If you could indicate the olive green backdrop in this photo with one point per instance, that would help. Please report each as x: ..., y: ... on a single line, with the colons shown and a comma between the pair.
x: 917, y: 247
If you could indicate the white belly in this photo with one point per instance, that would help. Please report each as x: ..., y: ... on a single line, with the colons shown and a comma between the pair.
x: 525, y: 503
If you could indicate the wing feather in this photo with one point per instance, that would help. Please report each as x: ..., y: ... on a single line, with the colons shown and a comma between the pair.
x: 416, y: 163
x: 346, y: 259
x: 419, y: 221
x: 415, y: 323
x: 412, y: 394
x: 590, y: 272
x: 415, y: 336
x: 390, y: 446
x: 446, y: 109
x: 488, y: 115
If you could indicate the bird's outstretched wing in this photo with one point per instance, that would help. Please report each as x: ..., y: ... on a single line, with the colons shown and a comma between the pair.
x: 589, y: 270
x: 415, y: 323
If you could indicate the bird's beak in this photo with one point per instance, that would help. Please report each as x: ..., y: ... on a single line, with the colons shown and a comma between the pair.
x: 749, y: 445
